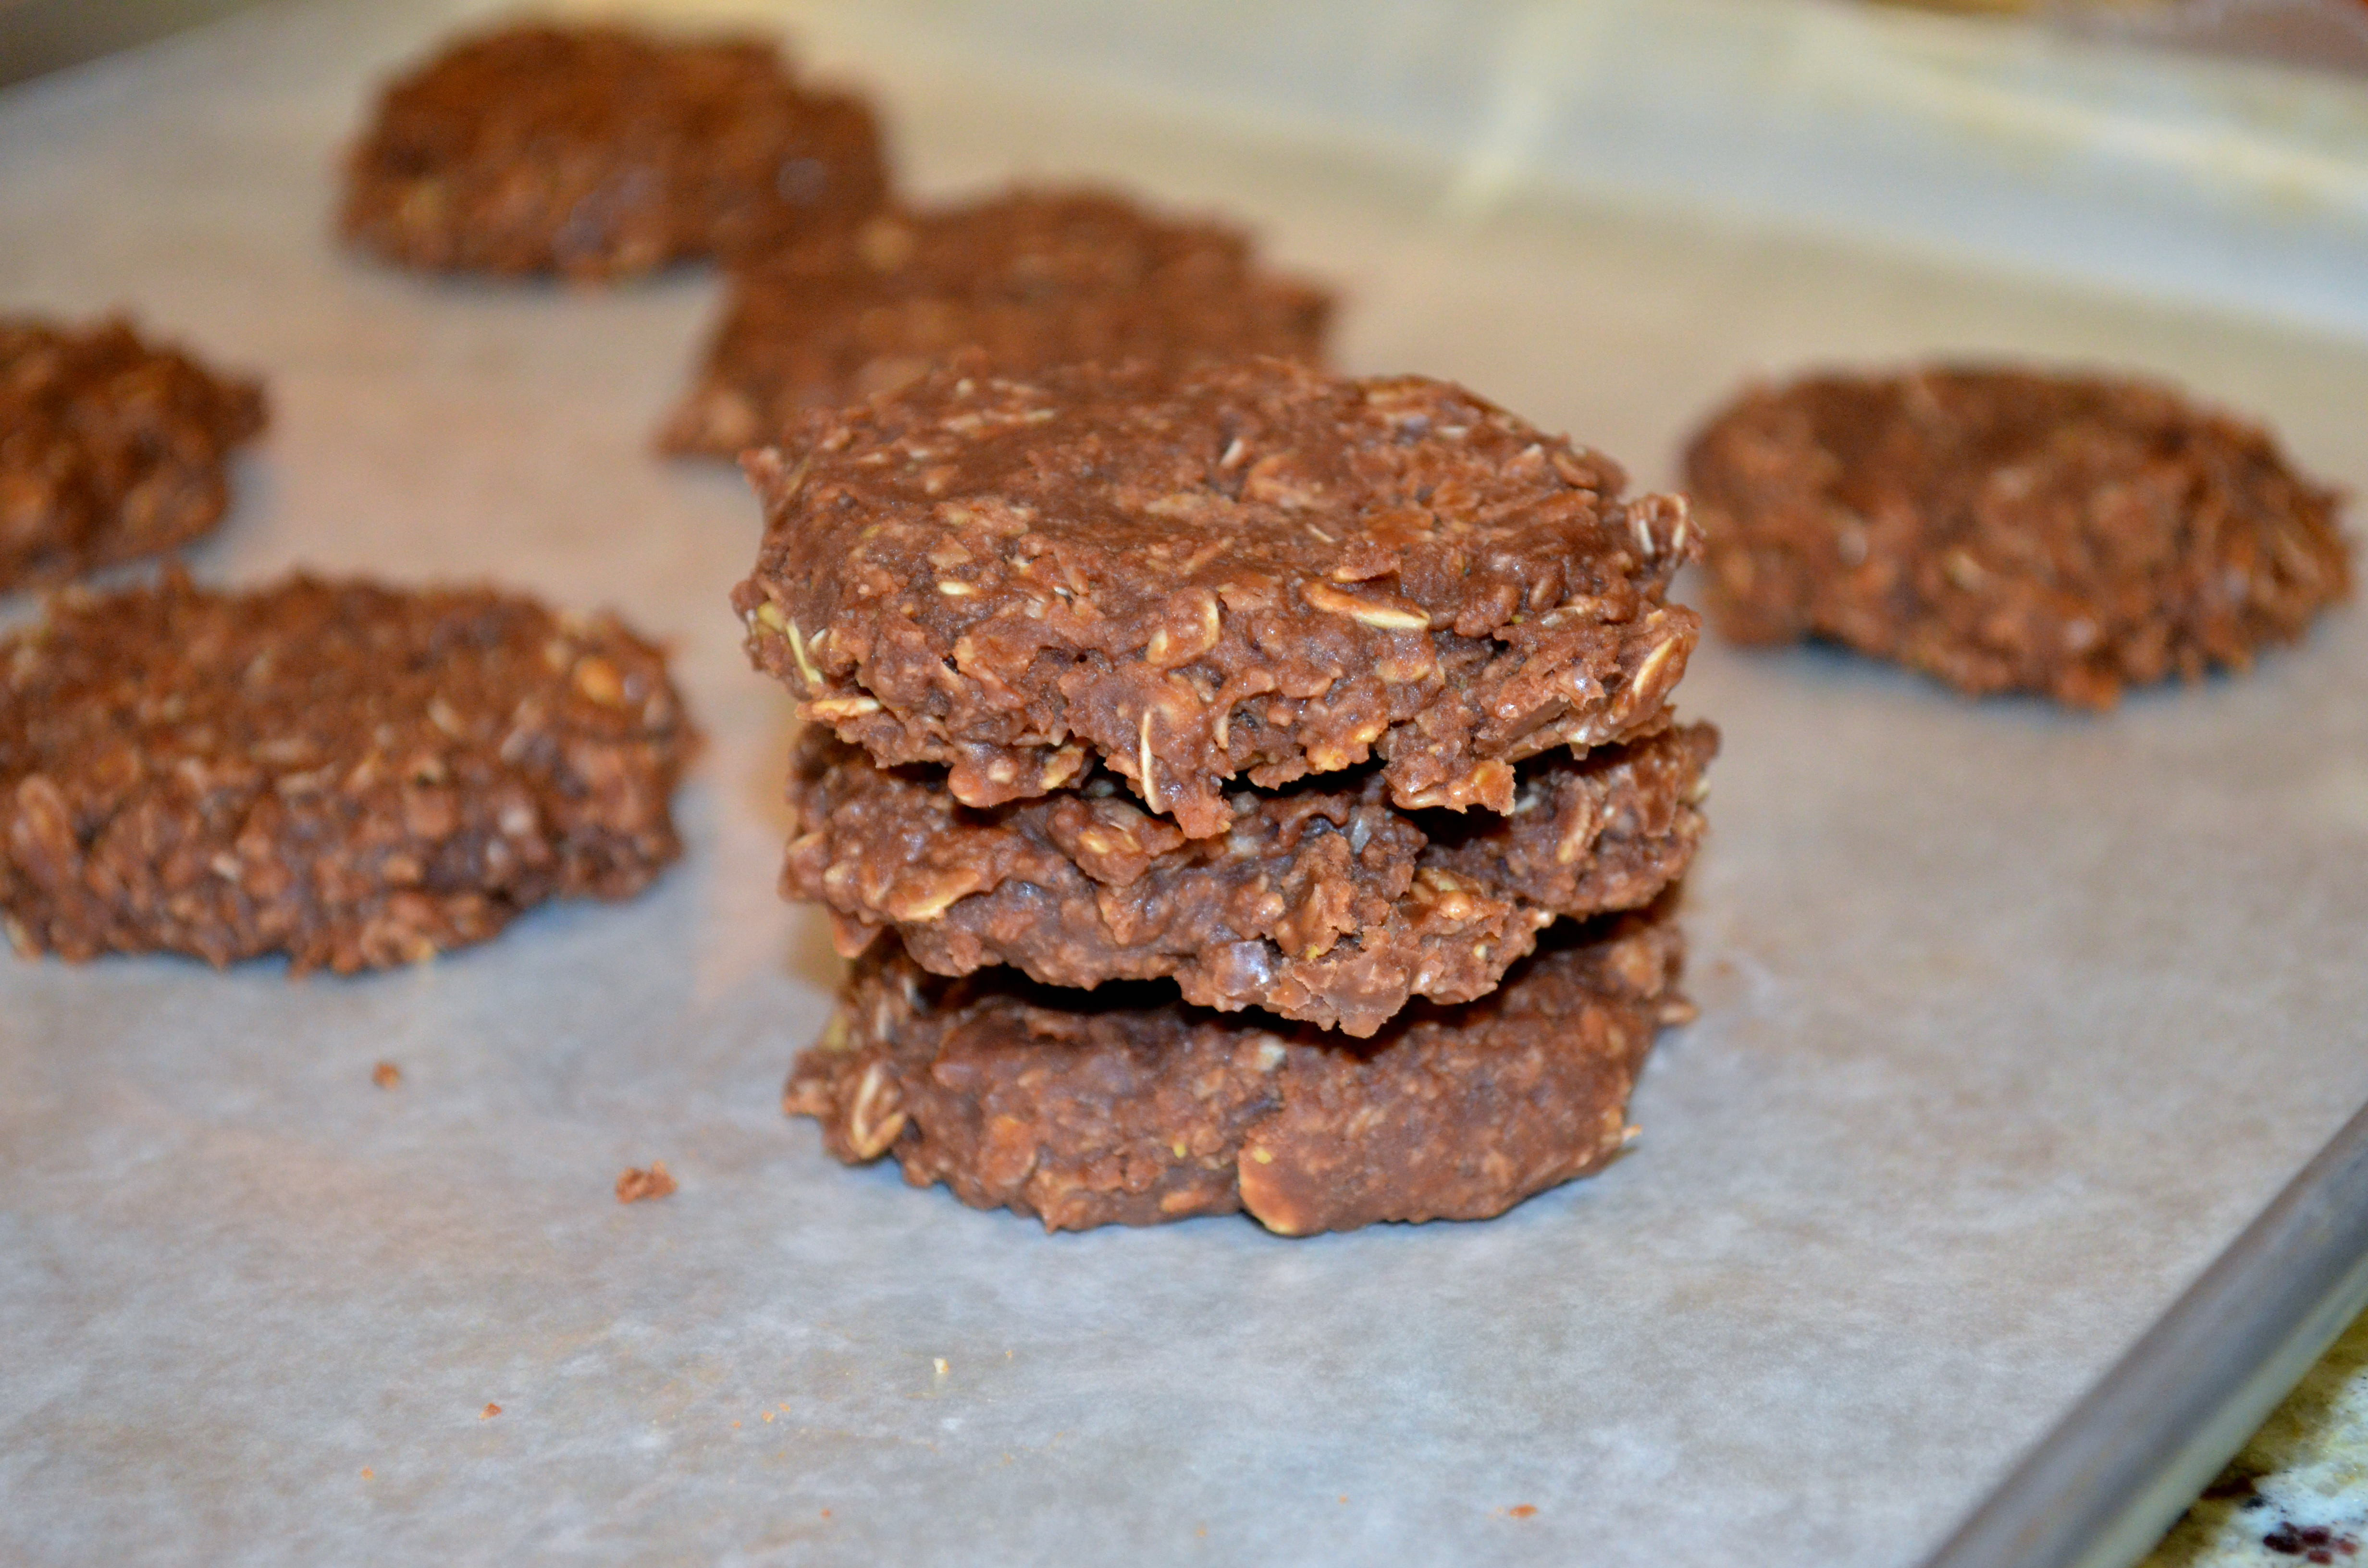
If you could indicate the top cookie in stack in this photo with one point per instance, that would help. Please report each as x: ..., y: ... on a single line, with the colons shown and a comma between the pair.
x: 1315, y: 694
x: 1262, y: 573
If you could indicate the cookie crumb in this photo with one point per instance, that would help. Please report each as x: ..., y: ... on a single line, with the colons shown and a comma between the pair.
x: 489, y: 1412
x: 636, y: 1184
x: 368, y: 1475
x: 1523, y: 1511
x: 386, y: 1074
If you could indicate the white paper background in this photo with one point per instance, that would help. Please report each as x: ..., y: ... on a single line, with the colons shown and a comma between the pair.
x: 2011, y: 1019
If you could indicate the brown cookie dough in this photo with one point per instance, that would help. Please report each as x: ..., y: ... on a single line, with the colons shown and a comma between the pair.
x: 1033, y: 277
x: 598, y: 152
x: 2008, y: 530
x: 1322, y: 902
x: 351, y: 775
x: 111, y: 448
x: 1257, y: 572
x: 1123, y: 1107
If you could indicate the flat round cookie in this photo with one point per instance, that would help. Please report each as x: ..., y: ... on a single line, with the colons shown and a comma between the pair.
x: 1124, y: 1107
x: 1322, y: 902
x: 599, y: 152
x: 1257, y: 571
x: 1032, y: 277
x: 2008, y: 530
x: 351, y: 775
x: 111, y: 447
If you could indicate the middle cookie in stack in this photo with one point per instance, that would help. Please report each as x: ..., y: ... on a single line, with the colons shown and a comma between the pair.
x: 1315, y: 696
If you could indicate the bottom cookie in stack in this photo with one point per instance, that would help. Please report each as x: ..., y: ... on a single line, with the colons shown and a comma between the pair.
x: 1126, y: 1106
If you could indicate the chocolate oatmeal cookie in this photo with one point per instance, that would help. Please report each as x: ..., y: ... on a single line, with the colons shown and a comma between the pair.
x: 1124, y: 1107
x: 1322, y: 902
x: 2007, y: 530
x: 1034, y: 277
x: 1257, y: 572
x: 111, y: 448
x: 597, y: 152
x: 351, y: 775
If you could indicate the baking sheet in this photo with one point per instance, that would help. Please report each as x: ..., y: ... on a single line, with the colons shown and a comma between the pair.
x: 2011, y: 1019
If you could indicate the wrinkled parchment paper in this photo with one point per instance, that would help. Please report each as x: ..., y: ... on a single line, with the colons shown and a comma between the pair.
x: 2011, y: 1018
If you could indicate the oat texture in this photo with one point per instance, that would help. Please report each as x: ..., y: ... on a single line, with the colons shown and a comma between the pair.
x: 597, y: 152
x: 111, y: 447
x: 1033, y: 277
x: 1125, y: 1106
x: 351, y: 775
x: 1258, y: 572
x: 2008, y: 531
x: 1322, y: 902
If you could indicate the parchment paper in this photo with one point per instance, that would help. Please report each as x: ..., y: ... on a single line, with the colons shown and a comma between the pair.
x: 2011, y: 1018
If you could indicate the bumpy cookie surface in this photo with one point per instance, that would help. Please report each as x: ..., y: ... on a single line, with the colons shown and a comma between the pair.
x: 597, y: 152
x: 1033, y: 277
x: 1258, y: 572
x: 1123, y: 1107
x: 2010, y: 531
x: 1322, y: 902
x: 351, y: 775
x: 111, y: 448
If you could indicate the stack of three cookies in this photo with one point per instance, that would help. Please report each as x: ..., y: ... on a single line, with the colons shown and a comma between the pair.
x: 1252, y: 790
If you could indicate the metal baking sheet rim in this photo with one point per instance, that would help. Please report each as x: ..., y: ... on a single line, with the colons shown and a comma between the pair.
x: 2101, y: 1489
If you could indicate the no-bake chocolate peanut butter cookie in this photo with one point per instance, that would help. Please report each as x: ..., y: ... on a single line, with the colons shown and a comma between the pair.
x: 1032, y: 278
x: 350, y: 775
x: 2007, y: 530
x: 1322, y: 902
x: 1257, y: 572
x: 111, y: 448
x: 1125, y: 1106
x: 597, y: 152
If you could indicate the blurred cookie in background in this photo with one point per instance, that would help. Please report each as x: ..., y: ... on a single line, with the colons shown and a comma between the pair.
x: 1035, y: 277
x: 111, y: 447
x: 601, y: 153
x: 2008, y: 529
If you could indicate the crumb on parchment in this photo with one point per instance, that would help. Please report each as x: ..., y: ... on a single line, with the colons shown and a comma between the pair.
x: 635, y: 1183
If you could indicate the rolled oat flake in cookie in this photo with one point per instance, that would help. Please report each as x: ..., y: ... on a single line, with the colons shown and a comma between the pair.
x: 1322, y: 902
x: 1033, y: 277
x: 1257, y: 571
x: 352, y: 775
x: 2009, y: 530
x: 1123, y: 1106
x: 111, y: 447
x: 599, y: 152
